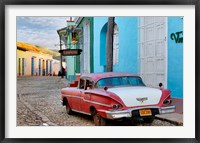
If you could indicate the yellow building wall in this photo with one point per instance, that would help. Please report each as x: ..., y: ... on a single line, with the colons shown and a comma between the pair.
x: 28, y: 55
x: 20, y: 55
x: 37, y: 56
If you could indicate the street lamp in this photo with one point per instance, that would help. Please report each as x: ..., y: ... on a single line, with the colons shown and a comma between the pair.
x: 60, y: 54
x: 61, y: 33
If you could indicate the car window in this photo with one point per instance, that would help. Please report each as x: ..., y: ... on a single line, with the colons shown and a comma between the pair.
x: 89, y: 84
x: 116, y: 81
x: 81, y: 83
x: 124, y: 81
x: 101, y: 83
x: 119, y: 81
x: 135, y: 81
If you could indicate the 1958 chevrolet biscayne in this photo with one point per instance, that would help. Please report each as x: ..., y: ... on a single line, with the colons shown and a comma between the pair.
x: 115, y: 95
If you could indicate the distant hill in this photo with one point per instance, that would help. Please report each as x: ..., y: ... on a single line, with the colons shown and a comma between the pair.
x: 26, y: 47
x: 54, y: 53
x: 29, y: 47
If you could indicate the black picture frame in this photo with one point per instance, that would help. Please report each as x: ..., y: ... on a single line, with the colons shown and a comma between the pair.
x: 3, y: 3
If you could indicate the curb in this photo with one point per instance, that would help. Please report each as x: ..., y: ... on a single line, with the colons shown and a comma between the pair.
x: 173, y: 121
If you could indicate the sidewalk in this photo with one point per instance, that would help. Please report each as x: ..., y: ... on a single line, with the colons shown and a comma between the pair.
x: 177, y: 117
x: 174, y: 118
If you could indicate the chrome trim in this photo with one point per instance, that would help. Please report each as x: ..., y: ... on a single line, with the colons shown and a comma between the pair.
x: 74, y: 96
x: 116, y: 114
x: 98, y: 103
x: 167, y: 110
x: 81, y: 112
x: 168, y: 107
x: 93, y: 102
x: 144, y: 107
x: 142, y: 99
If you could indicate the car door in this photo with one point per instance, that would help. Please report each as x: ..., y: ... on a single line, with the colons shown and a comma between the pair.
x: 76, y: 98
x: 86, y: 95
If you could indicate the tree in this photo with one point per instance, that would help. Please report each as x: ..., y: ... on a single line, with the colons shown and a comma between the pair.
x: 109, y: 44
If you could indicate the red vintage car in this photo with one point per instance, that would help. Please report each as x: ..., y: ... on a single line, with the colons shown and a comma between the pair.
x: 114, y: 95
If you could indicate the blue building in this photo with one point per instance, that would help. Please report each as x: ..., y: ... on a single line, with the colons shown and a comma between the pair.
x: 149, y: 46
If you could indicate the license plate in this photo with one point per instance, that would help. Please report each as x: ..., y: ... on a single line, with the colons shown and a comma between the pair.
x: 145, y: 112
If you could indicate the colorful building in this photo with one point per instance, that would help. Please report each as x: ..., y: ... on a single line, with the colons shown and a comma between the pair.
x: 33, y: 61
x: 85, y: 42
x: 71, y: 60
x: 78, y: 34
x: 149, y: 46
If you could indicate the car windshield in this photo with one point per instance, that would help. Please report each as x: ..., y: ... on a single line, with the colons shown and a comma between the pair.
x: 120, y: 81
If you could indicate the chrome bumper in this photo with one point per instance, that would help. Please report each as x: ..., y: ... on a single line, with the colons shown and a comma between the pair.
x: 168, y: 109
x: 117, y: 114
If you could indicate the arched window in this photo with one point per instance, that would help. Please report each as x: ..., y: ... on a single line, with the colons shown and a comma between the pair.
x: 115, y: 45
x: 103, y: 46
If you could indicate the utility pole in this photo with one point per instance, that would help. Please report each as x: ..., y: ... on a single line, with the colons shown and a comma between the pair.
x: 60, y: 34
x: 60, y: 53
x: 109, y: 44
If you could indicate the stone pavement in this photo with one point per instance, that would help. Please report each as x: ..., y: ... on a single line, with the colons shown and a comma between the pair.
x: 65, y: 81
x: 174, y: 118
x: 44, y: 119
x: 38, y: 103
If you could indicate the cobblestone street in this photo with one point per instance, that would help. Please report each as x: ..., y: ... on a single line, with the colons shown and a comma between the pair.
x: 38, y: 104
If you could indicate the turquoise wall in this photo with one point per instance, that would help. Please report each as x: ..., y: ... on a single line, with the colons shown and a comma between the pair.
x: 99, y: 53
x: 175, y: 56
x: 128, y: 37
x: 70, y: 68
x: 128, y: 50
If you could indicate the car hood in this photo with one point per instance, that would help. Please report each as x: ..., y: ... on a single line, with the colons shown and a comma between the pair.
x: 137, y: 96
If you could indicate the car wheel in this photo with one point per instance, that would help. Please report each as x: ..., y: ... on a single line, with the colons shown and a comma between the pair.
x: 68, y: 109
x: 149, y: 119
x: 98, y: 120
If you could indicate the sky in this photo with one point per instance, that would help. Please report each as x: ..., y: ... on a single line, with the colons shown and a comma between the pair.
x: 40, y: 31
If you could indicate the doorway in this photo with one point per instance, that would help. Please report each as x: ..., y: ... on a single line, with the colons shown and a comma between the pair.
x: 153, y: 50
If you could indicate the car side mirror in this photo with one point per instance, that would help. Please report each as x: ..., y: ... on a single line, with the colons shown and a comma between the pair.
x: 160, y: 85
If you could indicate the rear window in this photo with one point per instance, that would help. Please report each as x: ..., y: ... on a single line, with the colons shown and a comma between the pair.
x: 120, y: 81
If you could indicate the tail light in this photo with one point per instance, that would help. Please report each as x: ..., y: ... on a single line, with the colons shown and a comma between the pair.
x: 115, y: 106
x: 167, y: 102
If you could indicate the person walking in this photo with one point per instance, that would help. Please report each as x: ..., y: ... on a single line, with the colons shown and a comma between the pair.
x: 63, y: 72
